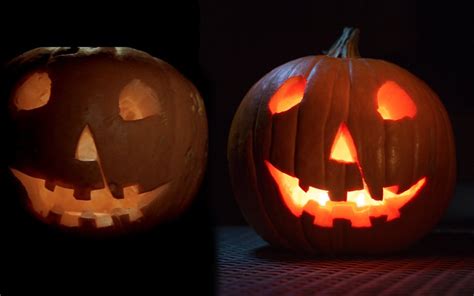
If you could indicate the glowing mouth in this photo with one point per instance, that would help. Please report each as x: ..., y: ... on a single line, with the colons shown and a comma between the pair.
x: 358, y: 208
x: 102, y: 208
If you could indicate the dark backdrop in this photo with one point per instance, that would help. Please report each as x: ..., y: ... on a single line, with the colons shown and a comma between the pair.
x: 224, y: 48
x: 240, y: 42
x: 176, y: 258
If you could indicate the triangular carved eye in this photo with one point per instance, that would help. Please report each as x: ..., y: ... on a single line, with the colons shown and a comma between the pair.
x: 394, y: 103
x: 34, y: 92
x: 289, y: 94
x: 137, y: 101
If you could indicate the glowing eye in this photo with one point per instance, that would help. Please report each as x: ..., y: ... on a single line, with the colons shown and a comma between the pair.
x: 137, y: 101
x: 288, y: 95
x: 34, y: 92
x: 394, y: 103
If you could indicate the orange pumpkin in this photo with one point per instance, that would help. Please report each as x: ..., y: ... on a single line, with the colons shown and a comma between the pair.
x: 104, y: 138
x: 341, y: 154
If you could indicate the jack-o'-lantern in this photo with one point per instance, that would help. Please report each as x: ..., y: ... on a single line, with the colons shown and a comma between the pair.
x: 340, y: 154
x: 104, y: 138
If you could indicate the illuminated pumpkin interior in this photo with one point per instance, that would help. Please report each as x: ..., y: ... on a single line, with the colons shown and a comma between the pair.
x: 102, y: 207
x: 394, y: 103
x: 137, y: 101
x: 343, y: 148
x: 85, y: 149
x: 34, y: 92
x: 358, y: 207
x: 289, y: 94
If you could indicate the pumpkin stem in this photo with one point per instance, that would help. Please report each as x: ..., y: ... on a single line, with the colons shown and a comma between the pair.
x: 347, y: 45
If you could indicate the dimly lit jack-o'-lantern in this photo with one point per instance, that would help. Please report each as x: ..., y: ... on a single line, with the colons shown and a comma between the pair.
x: 104, y: 137
x: 339, y: 154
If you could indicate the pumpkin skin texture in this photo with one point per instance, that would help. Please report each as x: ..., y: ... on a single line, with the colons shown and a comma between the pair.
x: 339, y: 154
x: 105, y: 139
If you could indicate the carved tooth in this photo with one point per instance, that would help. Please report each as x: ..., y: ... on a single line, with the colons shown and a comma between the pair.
x: 376, y: 192
x: 50, y: 185
x: 338, y: 195
x: 116, y: 190
x: 82, y: 194
x: 55, y: 214
x: 70, y: 219
x: 87, y: 215
x: 120, y: 216
x: 303, y: 186
x: 134, y: 214
x: 103, y: 220
x: 87, y: 219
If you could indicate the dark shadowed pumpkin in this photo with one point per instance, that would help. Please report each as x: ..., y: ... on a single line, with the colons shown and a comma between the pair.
x: 341, y: 154
x: 104, y: 138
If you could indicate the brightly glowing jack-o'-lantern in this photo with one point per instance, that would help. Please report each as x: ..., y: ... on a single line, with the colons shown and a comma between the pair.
x: 341, y: 154
x: 108, y: 137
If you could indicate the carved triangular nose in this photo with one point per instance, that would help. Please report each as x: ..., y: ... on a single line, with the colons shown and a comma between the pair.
x: 85, y: 149
x: 343, y: 148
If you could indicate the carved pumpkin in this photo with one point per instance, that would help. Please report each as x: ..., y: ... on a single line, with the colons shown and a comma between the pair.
x: 340, y: 154
x: 104, y: 138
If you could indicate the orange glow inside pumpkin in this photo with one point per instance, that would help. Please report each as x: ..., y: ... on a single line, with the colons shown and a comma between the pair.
x: 358, y: 208
x: 85, y: 149
x: 34, y: 92
x: 102, y: 206
x: 289, y: 94
x: 138, y: 101
x: 343, y: 148
x: 394, y: 103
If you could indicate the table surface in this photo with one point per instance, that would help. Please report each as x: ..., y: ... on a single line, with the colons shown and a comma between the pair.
x: 440, y: 264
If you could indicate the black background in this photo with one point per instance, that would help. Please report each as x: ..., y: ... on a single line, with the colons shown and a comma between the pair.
x: 224, y: 47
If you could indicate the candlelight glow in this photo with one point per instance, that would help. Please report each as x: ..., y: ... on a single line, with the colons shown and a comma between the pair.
x: 101, y: 208
x: 358, y: 208
x: 394, y: 103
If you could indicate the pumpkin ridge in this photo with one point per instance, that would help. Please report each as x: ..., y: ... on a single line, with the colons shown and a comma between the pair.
x: 334, y: 80
x: 299, y: 168
x: 276, y: 230
x: 326, y: 145
x: 240, y: 150
x: 374, y: 76
x: 418, y: 88
x: 311, y: 71
x: 440, y: 115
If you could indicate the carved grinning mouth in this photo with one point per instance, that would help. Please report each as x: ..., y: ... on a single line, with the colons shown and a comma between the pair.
x: 102, y: 208
x: 358, y: 207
